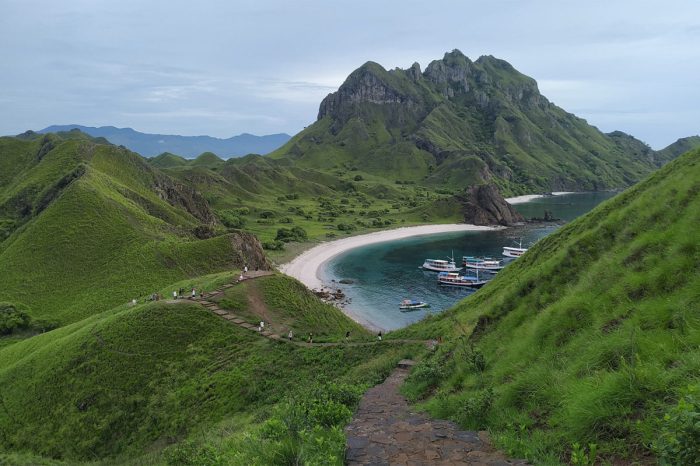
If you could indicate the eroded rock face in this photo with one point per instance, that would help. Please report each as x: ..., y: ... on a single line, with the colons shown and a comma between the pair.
x: 186, y: 197
x: 248, y: 251
x: 484, y: 205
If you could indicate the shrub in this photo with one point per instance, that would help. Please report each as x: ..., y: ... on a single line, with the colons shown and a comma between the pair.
x: 473, y: 410
x: 358, y: 178
x: 231, y: 220
x: 267, y: 214
x: 680, y: 432
x: 291, y: 234
x: 12, y: 319
x: 273, y: 245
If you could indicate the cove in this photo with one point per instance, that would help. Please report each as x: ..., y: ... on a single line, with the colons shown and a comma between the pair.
x: 383, y: 274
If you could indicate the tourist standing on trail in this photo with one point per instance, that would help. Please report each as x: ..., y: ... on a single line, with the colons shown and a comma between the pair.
x: 290, y: 335
x: 194, y: 293
x: 379, y: 336
x: 311, y: 337
x: 347, y: 335
x: 245, y: 268
x: 262, y: 326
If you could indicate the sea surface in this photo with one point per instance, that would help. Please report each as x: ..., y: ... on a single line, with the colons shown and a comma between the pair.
x: 384, y: 274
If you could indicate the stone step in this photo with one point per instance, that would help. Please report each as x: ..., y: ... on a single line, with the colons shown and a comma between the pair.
x: 406, y: 364
x: 220, y: 312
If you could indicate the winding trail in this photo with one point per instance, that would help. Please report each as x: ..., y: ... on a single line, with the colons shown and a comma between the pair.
x: 384, y: 431
x: 235, y: 319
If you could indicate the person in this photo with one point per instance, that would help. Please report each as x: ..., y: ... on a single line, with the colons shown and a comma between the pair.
x: 379, y: 336
x: 262, y: 326
x: 347, y: 335
x: 240, y: 279
x: 133, y: 302
x: 245, y: 268
x: 194, y: 293
x: 174, y: 294
x: 311, y: 338
x: 180, y: 292
x: 290, y: 335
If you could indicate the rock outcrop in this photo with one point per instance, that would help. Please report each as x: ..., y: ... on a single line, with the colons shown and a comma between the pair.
x: 484, y: 205
x: 249, y: 252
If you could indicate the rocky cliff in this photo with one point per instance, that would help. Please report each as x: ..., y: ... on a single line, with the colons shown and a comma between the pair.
x: 484, y: 205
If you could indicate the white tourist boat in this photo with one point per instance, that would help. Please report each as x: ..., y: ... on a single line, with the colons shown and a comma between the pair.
x: 410, y: 304
x: 440, y: 265
x: 465, y: 281
x: 514, y: 252
x: 482, y: 263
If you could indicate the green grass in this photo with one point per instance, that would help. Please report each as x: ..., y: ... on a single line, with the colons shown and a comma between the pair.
x: 284, y: 304
x: 144, y: 377
x: 589, y: 338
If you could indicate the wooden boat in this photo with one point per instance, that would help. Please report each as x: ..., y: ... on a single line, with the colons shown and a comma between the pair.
x: 410, y: 304
x: 514, y: 252
x: 455, y: 279
x: 482, y: 263
x: 440, y: 265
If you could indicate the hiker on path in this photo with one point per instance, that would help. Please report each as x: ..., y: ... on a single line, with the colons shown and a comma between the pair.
x: 311, y: 338
x: 290, y: 335
x: 174, y: 294
x: 379, y: 336
x: 262, y: 326
x: 347, y: 335
x: 245, y: 268
x: 194, y: 293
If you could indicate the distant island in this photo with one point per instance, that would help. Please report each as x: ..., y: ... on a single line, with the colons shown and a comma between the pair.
x: 150, y: 145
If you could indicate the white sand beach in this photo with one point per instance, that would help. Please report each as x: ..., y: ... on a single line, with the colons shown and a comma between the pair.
x: 306, y: 267
x: 529, y: 197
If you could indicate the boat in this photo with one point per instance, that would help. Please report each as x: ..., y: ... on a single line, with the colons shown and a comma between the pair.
x: 440, y: 265
x: 455, y: 279
x: 514, y: 252
x: 482, y: 263
x: 410, y: 304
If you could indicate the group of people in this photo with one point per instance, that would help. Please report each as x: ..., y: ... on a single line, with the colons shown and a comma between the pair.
x: 179, y: 294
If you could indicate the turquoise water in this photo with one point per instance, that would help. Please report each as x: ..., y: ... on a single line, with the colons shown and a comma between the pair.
x: 383, y: 274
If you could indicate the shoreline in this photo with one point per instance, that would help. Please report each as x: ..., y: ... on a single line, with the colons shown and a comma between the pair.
x: 307, y: 266
x: 529, y: 197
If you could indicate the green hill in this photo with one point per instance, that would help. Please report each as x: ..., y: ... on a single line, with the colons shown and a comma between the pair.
x: 168, y: 160
x: 138, y: 379
x: 589, y: 338
x: 87, y: 226
x: 461, y: 123
x: 679, y: 147
x: 207, y: 159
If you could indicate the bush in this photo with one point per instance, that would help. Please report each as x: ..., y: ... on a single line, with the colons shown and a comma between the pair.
x: 189, y: 454
x: 273, y: 245
x: 287, y: 235
x: 12, y: 319
x: 473, y: 410
x: 231, y: 220
x: 358, y: 178
x: 267, y: 214
x: 680, y: 432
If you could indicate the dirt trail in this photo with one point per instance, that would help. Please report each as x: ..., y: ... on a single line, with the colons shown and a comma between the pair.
x: 384, y: 431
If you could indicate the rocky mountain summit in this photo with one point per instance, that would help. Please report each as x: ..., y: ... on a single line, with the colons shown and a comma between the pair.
x: 462, y: 123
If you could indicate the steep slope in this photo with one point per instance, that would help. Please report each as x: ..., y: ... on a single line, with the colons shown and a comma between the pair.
x: 150, y: 145
x: 167, y: 160
x: 462, y: 123
x: 88, y: 225
x: 590, y: 337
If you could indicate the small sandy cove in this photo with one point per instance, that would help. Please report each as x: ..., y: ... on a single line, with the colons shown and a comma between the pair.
x: 306, y: 267
x: 529, y: 197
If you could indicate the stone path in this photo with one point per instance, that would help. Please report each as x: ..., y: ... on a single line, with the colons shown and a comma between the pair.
x: 384, y: 431
x: 235, y: 319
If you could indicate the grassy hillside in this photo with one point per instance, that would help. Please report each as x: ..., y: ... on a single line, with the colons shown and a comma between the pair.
x: 88, y: 226
x: 589, y: 338
x: 138, y: 379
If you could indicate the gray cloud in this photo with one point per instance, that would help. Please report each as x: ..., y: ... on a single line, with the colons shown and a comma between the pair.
x: 218, y: 67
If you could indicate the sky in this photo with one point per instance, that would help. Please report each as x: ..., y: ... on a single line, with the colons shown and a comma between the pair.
x: 222, y: 68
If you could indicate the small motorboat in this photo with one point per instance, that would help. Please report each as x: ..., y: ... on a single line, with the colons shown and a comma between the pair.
x: 410, y: 304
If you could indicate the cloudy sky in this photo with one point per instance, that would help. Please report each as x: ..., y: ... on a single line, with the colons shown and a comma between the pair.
x: 226, y: 67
